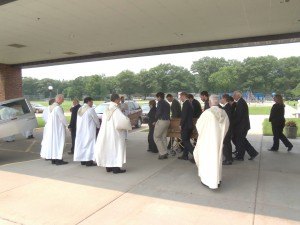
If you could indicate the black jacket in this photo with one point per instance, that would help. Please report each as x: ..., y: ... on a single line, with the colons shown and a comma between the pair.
x: 229, y: 111
x: 175, y: 109
x: 151, y: 115
x: 206, y: 105
x: 277, y: 115
x: 241, y: 121
x: 197, y: 108
x: 186, y: 121
x: 73, y: 120
x: 162, y: 110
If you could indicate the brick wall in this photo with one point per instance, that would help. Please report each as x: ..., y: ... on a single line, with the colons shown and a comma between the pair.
x: 10, y: 82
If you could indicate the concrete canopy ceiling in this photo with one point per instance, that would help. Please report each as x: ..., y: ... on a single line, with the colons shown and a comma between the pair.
x: 44, y: 32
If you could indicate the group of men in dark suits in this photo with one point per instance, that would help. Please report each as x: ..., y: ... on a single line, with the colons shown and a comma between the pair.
x: 237, y: 112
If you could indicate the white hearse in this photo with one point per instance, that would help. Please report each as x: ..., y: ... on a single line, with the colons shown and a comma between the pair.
x: 16, y: 116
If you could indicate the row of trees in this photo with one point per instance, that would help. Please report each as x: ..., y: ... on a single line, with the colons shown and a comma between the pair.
x: 217, y: 75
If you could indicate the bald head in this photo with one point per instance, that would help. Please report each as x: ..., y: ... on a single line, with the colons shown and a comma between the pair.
x: 237, y: 95
x: 59, y: 98
x: 213, y: 100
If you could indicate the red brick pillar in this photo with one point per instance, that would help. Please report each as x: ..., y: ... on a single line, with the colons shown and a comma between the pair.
x: 10, y: 82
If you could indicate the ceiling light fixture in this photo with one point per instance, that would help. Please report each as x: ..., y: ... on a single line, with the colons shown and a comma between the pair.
x: 16, y: 45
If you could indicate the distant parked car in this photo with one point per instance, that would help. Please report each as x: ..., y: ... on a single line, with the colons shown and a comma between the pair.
x: 146, y: 109
x: 38, y: 108
x: 134, y: 114
x: 16, y: 116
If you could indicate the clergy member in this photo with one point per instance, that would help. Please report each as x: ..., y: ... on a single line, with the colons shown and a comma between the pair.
x: 110, y: 148
x: 212, y: 127
x: 87, y: 123
x: 54, y: 133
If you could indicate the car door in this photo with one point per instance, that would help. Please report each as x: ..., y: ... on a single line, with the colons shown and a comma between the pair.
x: 16, y: 116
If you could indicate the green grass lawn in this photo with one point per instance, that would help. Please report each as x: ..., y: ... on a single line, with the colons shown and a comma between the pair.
x: 66, y: 104
x: 267, y: 129
x: 259, y: 110
x: 291, y: 103
x: 41, y: 122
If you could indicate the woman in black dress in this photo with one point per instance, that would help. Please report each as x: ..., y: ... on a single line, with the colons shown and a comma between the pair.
x: 278, y: 122
x: 151, y: 115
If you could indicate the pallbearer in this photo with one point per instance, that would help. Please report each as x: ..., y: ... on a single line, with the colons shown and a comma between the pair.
x: 87, y: 122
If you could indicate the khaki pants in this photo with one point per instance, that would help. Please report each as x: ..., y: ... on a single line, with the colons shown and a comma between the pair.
x: 160, y: 135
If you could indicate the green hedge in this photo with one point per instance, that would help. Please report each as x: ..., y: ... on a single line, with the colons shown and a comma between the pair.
x: 267, y: 129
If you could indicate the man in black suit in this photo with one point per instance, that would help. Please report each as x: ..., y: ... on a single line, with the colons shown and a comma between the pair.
x: 227, y: 148
x: 205, y: 98
x: 196, y: 106
x: 175, y: 113
x: 72, y: 125
x: 241, y: 125
x: 175, y: 106
x: 186, y: 125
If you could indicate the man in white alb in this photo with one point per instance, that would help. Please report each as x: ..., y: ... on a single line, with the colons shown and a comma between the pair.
x: 54, y: 133
x: 212, y: 127
x: 110, y: 148
x: 87, y: 122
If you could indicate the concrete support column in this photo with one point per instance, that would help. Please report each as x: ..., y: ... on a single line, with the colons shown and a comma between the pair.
x: 10, y: 82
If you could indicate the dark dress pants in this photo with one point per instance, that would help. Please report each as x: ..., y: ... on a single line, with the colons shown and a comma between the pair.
x: 73, y: 136
x: 186, y: 141
x: 242, y: 145
x: 227, y: 148
x: 278, y: 135
x: 151, y: 143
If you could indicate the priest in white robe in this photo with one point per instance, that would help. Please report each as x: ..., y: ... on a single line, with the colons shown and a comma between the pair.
x: 54, y: 133
x: 87, y: 122
x: 110, y: 148
x: 45, y: 118
x: 212, y: 127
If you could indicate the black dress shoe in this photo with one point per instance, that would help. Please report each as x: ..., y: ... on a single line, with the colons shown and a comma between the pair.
x: 154, y: 151
x: 60, y: 162
x: 53, y: 161
x: 290, y: 148
x: 227, y: 162
x: 183, y: 157
x: 109, y: 169
x: 118, y: 170
x: 253, y: 157
x: 165, y: 156
x: 272, y: 149
x: 83, y: 163
x: 90, y: 163
x: 238, y: 158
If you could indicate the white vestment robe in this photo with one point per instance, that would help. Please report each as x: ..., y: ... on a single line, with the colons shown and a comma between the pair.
x: 110, y: 148
x: 212, y: 127
x: 54, y: 133
x: 87, y: 122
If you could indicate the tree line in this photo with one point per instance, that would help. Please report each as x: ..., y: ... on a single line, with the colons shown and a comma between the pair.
x: 265, y: 74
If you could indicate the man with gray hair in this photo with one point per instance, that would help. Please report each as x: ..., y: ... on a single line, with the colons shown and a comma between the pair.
x: 241, y: 125
x: 54, y: 133
x: 212, y: 127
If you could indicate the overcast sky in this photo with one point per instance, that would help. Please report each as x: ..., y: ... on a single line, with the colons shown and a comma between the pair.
x: 113, y: 67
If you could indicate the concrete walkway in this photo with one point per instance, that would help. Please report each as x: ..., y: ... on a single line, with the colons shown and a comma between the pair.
x: 263, y: 191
